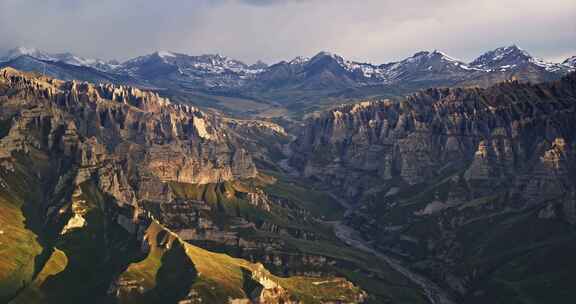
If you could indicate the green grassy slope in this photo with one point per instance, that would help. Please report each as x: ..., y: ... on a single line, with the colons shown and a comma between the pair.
x: 96, y: 253
x: 215, y: 277
x: 20, y: 246
x: 382, y: 282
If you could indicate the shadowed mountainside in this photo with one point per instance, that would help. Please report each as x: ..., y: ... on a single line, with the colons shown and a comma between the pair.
x: 84, y: 170
x: 474, y: 187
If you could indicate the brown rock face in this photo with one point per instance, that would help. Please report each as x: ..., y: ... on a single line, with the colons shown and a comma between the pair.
x: 132, y: 140
x: 106, y: 164
x: 458, y: 181
x: 495, y: 133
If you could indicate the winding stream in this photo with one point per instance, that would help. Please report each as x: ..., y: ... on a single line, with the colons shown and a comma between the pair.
x: 351, y: 237
x: 433, y: 293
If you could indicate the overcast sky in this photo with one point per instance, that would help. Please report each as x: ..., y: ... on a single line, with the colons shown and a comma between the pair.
x: 376, y: 31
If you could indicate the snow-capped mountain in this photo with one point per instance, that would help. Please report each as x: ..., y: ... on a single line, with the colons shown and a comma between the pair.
x: 171, y: 69
x: 203, y: 64
x: 510, y: 58
x: 102, y: 65
x: 299, y: 60
x: 323, y: 71
x: 435, y: 67
x: 207, y: 70
x: 68, y: 58
x: 570, y: 62
x: 25, y: 51
x: 63, y: 70
x: 512, y: 62
x: 337, y: 64
x: 426, y: 66
x: 360, y: 70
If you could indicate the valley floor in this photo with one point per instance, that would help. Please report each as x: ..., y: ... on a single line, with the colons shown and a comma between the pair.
x: 351, y: 237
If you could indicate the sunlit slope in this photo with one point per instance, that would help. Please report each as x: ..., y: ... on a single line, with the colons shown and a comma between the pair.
x: 20, y: 248
x: 216, y: 278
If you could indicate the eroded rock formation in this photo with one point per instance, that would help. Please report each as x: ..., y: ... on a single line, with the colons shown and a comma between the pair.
x: 460, y: 182
x: 147, y: 138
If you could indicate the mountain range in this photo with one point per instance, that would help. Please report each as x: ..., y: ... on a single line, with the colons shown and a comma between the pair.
x: 171, y: 178
x: 322, y: 71
x: 472, y: 186
x: 137, y: 198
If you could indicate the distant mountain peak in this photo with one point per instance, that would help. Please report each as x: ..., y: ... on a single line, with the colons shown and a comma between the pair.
x: 503, y: 56
x: 215, y: 70
x: 326, y: 54
x: 164, y: 54
x: 571, y: 62
x: 299, y: 60
x: 26, y: 51
x: 517, y: 50
x: 444, y: 56
x: 432, y: 54
x: 65, y: 57
x: 512, y: 57
x: 428, y: 58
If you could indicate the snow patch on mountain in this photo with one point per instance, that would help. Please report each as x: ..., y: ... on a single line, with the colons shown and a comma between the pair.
x: 26, y: 51
x: 512, y: 57
x: 300, y: 60
x: 570, y: 62
x: 164, y: 54
x: 215, y: 70
x: 67, y: 58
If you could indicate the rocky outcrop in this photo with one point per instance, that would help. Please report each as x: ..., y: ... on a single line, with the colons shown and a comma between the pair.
x: 454, y: 180
x: 256, y: 285
x: 492, y: 132
x: 103, y: 164
x: 142, y: 138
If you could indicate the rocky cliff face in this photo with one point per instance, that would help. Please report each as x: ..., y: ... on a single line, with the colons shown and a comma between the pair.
x: 85, y: 173
x: 151, y: 139
x: 302, y: 85
x: 492, y: 132
x: 427, y: 172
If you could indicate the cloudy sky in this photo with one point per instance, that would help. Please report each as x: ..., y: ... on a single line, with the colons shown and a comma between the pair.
x: 366, y: 30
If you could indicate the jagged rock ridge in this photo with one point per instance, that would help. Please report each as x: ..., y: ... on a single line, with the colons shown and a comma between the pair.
x: 80, y: 163
x: 154, y: 138
x: 412, y: 139
x: 322, y: 71
x: 452, y: 180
